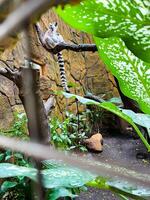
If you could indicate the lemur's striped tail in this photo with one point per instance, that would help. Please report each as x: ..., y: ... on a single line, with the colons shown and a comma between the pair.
x: 62, y: 72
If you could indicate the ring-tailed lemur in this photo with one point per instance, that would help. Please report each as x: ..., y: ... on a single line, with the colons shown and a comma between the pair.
x: 51, y: 39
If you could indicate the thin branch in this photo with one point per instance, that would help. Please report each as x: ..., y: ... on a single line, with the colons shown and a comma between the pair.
x: 62, y: 46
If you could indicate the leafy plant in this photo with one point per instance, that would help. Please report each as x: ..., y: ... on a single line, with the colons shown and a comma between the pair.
x: 17, y: 158
x: 114, y: 109
x: 19, y: 128
x: 124, y: 24
x: 59, y: 133
x: 69, y: 133
x: 139, y: 118
x: 18, y: 186
x: 132, y: 73
x: 58, y: 179
x: 96, y: 117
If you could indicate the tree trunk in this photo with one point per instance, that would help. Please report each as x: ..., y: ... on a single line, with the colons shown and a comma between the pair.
x: 38, y: 126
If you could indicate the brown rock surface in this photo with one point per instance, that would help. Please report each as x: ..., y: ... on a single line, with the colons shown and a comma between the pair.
x: 6, y: 115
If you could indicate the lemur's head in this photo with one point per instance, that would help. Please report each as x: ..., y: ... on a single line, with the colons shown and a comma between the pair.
x: 53, y: 26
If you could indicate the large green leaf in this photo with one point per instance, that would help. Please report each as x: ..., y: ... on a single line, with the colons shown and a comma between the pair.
x: 64, y: 176
x: 112, y: 108
x: 129, y: 20
x: 130, y: 191
x: 8, y: 170
x: 60, y: 177
x: 132, y: 73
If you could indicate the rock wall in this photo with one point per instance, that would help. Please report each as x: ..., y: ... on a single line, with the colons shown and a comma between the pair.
x: 85, y: 70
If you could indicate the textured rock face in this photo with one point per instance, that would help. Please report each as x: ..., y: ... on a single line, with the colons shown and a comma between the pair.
x: 6, y: 115
x: 84, y: 70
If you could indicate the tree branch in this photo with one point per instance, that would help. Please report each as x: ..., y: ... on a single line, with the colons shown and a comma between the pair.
x: 74, y: 47
x: 61, y: 46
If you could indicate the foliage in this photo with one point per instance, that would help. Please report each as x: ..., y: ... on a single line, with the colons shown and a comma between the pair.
x: 58, y: 179
x: 124, y: 24
x: 139, y: 118
x: 68, y: 134
x: 19, y: 128
x: 19, y: 185
x: 17, y: 158
x: 60, y: 192
x: 114, y: 109
x: 132, y: 73
x: 96, y: 117
x: 121, y: 188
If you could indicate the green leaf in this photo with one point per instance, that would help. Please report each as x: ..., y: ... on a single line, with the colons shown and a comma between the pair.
x: 139, y: 118
x: 121, y: 188
x: 60, y: 192
x: 2, y: 156
x: 65, y: 176
x: 7, y: 185
x: 129, y: 190
x: 116, y: 100
x: 132, y: 73
x: 122, y: 197
x: 112, y: 108
x: 18, y: 155
x: 129, y: 20
x: 8, y: 170
x: 58, y: 176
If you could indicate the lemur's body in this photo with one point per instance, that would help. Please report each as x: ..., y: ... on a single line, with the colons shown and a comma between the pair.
x: 51, y: 39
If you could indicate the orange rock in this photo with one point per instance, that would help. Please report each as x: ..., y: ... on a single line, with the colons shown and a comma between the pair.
x: 95, y: 142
